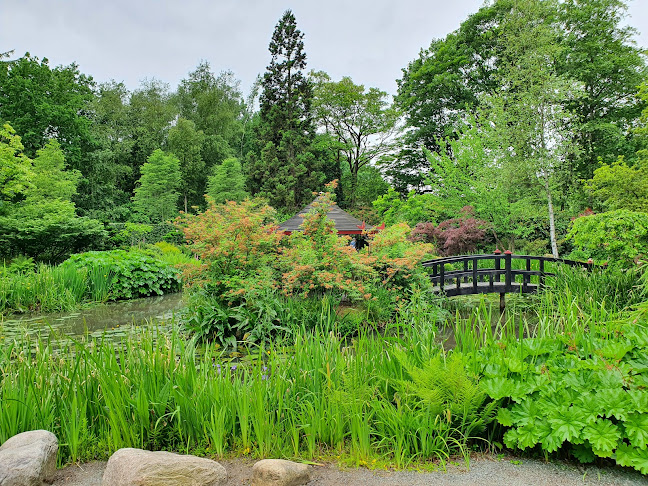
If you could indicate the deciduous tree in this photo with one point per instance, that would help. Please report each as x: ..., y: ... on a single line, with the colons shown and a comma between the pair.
x: 362, y: 122
x: 227, y: 182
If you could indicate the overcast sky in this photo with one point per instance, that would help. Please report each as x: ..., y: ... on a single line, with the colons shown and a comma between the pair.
x: 129, y: 40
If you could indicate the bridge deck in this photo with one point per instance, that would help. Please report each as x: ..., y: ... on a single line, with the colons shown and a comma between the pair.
x: 467, y: 288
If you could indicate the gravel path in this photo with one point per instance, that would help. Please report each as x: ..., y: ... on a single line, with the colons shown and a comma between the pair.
x: 486, y: 470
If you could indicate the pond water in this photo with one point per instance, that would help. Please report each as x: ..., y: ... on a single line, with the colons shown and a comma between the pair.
x: 112, y: 319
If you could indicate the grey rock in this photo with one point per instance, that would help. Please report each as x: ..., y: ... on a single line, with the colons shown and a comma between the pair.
x: 136, y: 467
x: 28, y: 459
x: 278, y: 472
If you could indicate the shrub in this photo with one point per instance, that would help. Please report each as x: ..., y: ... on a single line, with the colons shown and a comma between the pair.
x: 245, y: 262
x: 237, y: 246
x: 583, y: 393
x: 619, y: 238
x: 135, y: 273
x: 455, y: 236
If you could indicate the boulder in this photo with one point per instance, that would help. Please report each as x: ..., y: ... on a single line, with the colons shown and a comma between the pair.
x: 136, y: 467
x: 278, y: 472
x: 28, y: 459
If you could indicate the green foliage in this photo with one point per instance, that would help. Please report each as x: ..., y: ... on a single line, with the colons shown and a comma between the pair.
x: 619, y: 237
x: 363, y: 124
x: 150, y: 116
x: 370, y: 186
x: 246, y: 263
x: 227, y: 182
x: 600, y: 52
x: 42, y: 103
x: 593, y: 48
x: 15, y: 170
x: 620, y: 186
x: 21, y: 265
x: 37, y: 216
x: 283, y: 168
x: 444, y: 388
x: 135, y: 273
x: 474, y: 168
x: 582, y: 392
x: 108, y: 172
x: 393, y: 208
x: 185, y: 143
x: 44, y: 288
x: 442, y: 84
x: 214, y: 104
x: 156, y: 198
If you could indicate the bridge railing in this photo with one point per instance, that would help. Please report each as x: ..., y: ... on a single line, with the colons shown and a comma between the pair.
x: 498, y: 276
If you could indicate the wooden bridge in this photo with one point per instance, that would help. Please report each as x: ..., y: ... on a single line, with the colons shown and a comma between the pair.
x: 483, y: 274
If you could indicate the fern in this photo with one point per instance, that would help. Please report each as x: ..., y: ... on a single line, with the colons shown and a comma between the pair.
x: 444, y: 388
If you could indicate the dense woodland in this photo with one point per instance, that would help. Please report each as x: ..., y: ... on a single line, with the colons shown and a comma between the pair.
x: 528, y: 115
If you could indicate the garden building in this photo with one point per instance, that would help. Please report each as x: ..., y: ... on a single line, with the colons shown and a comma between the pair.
x: 345, y: 224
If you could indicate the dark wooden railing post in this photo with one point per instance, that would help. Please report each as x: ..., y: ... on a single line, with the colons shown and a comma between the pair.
x: 498, y: 267
x: 441, y: 276
x: 526, y: 278
x: 507, y: 280
x: 541, y: 280
x: 507, y: 270
x: 474, y: 274
x: 465, y: 270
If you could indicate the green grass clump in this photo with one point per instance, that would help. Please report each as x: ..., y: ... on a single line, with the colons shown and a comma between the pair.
x: 52, y: 288
x: 360, y: 400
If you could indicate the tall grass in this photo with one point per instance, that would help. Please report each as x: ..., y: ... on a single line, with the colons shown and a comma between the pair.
x: 324, y: 396
x: 53, y: 288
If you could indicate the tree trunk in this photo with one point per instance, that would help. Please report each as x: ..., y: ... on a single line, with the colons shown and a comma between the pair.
x: 552, y: 222
x: 354, y: 185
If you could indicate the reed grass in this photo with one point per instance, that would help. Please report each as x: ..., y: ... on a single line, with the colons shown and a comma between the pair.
x: 324, y: 396
x: 53, y: 288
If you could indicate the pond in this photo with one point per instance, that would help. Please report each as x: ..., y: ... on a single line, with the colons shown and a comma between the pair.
x: 112, y: 319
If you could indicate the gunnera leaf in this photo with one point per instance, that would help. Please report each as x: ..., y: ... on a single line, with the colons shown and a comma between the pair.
x: 639, y: 399
x: 511, y: 438
x: 604, y: 437
x: 550, y: 441
x: 616, y: 402
x: 527, y: 436
x: 583, y: 452
x: 567, y: 423
x: 505, y: 417
x: 636, y: 427
x: 497, y: 388
x: 590, y: 406
x: 629, y: 456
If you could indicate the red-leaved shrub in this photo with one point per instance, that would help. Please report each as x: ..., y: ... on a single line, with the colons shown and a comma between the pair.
x: 455, y: 236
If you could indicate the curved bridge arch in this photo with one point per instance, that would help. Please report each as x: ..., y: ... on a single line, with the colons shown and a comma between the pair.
x: 478, y: 276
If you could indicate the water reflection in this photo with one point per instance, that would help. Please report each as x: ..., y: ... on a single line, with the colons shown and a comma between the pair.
x: 113, y: 318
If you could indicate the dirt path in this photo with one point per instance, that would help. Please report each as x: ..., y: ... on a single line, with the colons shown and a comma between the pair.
x: 486, y: 470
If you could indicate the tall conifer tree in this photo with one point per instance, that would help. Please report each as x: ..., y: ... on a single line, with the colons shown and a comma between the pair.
x: 284, y: 169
